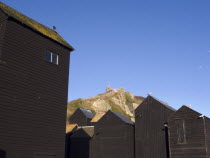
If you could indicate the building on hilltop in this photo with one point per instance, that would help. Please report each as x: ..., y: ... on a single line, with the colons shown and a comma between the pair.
x: 34, y: 70
x: 113, y: 137
x: 82, y: 117
x: 189, y: 134
x: 112, y: 90
x: 151, y: 134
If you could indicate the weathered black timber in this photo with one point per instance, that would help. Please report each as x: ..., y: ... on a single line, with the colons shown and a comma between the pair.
x: 207, y: 124
x: 3, y: 18
x: 70, y: 129
x: 80, y: 142
x: 33, y: 92
x: 82, y: 117
x: 113, y: 137
x: 150, y: 133
x: 2, y: 154
x: 188, y: 134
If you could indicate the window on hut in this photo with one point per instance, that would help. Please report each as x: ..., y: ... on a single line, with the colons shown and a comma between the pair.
x: 181, y: 132
x: 51, y: 57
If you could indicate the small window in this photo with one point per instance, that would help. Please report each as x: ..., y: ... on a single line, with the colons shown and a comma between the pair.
x: 181, y: 132
x: 51, y: 57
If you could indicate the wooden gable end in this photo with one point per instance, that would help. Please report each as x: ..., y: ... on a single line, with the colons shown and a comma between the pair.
x: 113, y: 138
x: 187, y: 134
x: 150, y: 133
x: 78, y: 118
x: 110, y: 119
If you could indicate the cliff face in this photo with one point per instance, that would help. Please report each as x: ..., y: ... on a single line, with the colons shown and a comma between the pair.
x: 114, y: 99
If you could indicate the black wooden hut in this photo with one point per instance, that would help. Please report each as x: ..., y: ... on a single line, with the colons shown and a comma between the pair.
x: 113, y: 137
x: 34, y: 70
x: 151, y: 137
x: 70, y: 128
x: 82, y: 117
x: 80, y: 142
x: 189, y: 134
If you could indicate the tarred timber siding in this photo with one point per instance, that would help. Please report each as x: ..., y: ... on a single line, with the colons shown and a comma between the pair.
x: 195, y: 146
x: 3, y: 18
x: 207, y: 123
x: 113, y: 138
x: 150, y: 134
x: 33, y: 95
x: 79, y: 118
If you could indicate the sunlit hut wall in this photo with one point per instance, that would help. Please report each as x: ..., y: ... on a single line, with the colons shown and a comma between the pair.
x: 34, y: 66
x: 189, y: 134
x: 151, y: 137
x: 113, y: 137
x: 82, y: 117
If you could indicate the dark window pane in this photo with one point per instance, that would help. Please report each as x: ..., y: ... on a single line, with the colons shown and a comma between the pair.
x: 55, y: 58
x: 48, y: 56
x: 181, y: 131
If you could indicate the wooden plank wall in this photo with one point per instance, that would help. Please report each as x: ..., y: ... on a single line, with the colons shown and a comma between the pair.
x: 150, y: 133
x: 195, y: 140
x: 80, y: 146
x: 112, y: 138
x: 207, y: 122
x: 79, y: 118
x: 33, y: 95
x: 2, y: 30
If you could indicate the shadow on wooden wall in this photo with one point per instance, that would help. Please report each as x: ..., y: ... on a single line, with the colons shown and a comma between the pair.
x: 2, y: 153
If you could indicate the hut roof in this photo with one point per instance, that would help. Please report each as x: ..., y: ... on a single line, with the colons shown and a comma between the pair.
x: 97, y: 117
x: 87, y: 113
x: 34, y: 25
x: 70, y: 127
x: 85, y: 131
x: 186, y: 107
x: 123, y: 118
x: 165, y: 104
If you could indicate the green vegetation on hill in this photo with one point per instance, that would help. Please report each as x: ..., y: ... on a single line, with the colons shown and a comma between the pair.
x: 116, y: 100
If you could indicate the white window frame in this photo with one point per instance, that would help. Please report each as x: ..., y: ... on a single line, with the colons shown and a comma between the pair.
x: 51, y: 57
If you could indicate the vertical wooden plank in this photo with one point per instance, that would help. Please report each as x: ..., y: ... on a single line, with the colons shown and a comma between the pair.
x: 207, y: 124
x: 113, y: 138
x: 150, y: 132
x: 195, y: 143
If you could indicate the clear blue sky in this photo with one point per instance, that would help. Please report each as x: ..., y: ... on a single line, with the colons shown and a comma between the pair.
x: 145, y: 46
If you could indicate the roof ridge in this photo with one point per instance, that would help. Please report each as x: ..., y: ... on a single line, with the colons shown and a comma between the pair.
x: 164, y: 103
x: 87, y: 112
x: 122, y: 117
x: 34, y: 25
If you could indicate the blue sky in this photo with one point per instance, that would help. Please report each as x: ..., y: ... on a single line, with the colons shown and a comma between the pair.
x: 145, y: 46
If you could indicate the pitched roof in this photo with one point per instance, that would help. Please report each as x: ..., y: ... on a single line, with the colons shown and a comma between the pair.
x: 87, y: 113
x: 97, y: 117
x: 70, y: 127
x: 165, y: 104
x: 34, y: 25
x: 85, y: 131
x: 122, y: 117
x: 189, y: 108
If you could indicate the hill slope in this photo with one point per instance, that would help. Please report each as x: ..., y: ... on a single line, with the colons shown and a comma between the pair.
x: 114, y: 99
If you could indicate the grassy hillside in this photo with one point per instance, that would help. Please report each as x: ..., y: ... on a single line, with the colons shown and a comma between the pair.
x: 119, y: 101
